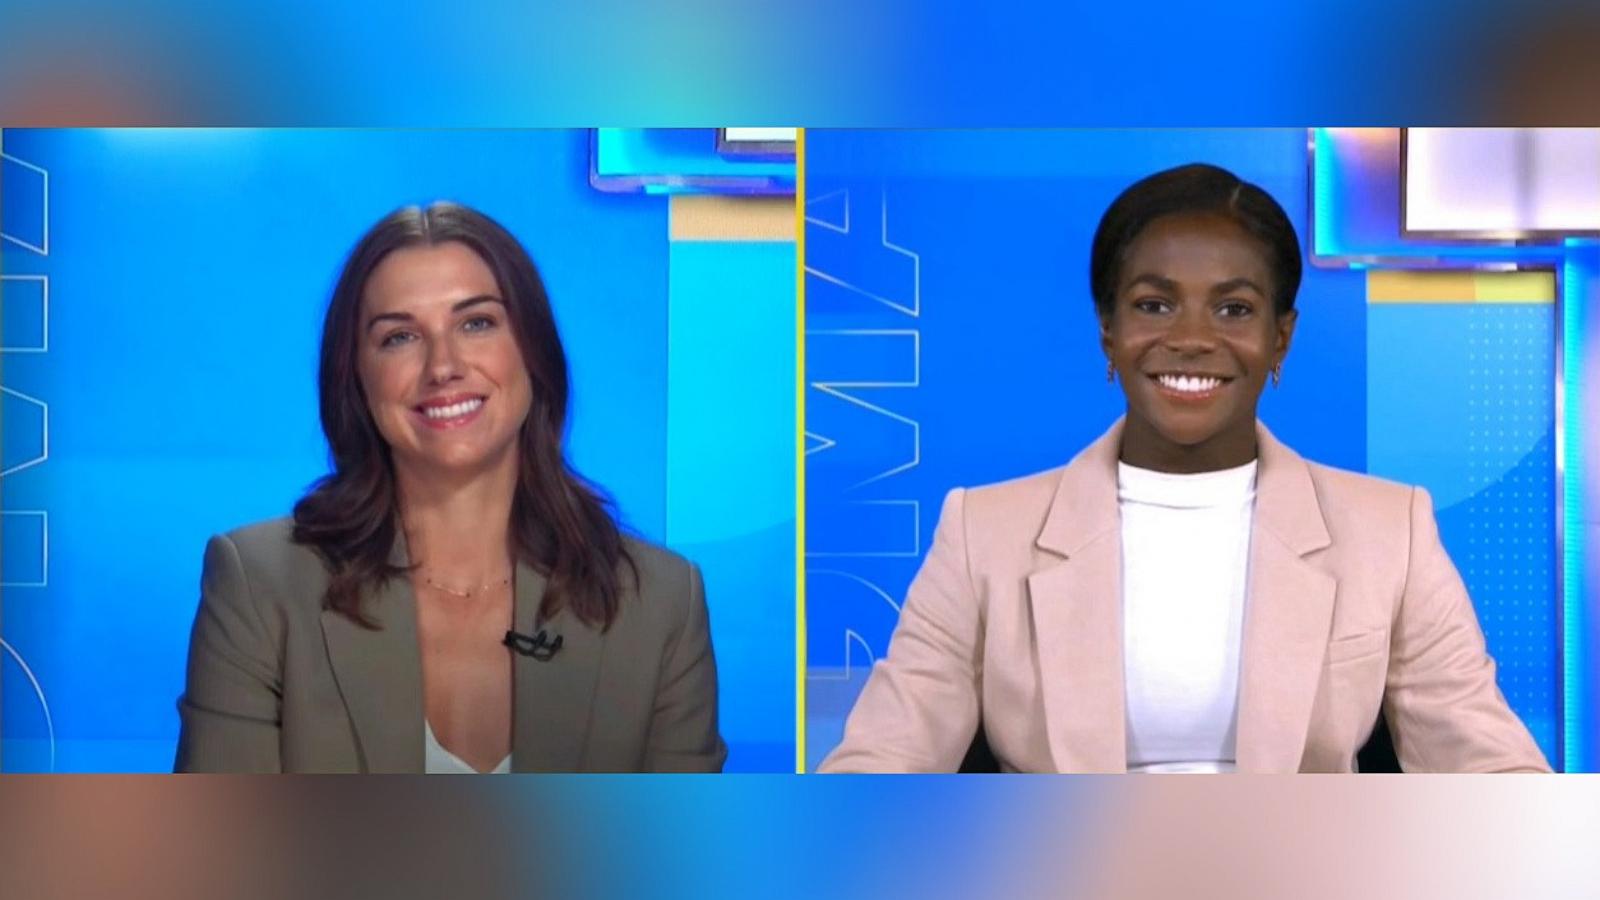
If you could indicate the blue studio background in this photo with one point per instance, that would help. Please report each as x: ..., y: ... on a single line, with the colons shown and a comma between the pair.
x: 164, y: 389
x: 951, y: 341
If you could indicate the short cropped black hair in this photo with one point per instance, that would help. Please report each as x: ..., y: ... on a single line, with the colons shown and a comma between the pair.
x: 1194, y: 188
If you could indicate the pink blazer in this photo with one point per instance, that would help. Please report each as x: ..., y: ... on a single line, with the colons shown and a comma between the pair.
x: 1352, y: 606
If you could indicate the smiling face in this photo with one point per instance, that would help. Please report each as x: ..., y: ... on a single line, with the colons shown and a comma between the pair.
x: 1193, y: 335
x: 439, y: 365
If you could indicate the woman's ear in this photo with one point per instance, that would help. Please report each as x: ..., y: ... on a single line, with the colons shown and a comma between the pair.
x: 1285, y: 333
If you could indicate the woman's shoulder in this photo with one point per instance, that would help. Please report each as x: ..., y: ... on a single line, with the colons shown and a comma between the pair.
x: 1346, y: 487
x: 658, y: 567
x: 1016, y: 502
x: 668, y: 592
x: 269, y: 561
x: 1034, y: 489
x: 1366, y: 509
x: 269, y: 542
x: 1336, y: 488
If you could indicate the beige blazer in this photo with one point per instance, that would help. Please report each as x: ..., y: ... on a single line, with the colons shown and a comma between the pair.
x: 1016, y: 619
x: 276, y: 683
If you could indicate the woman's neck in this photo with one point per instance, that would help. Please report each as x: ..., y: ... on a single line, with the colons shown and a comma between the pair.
x: 458, y: 530
x: 1145, y: 448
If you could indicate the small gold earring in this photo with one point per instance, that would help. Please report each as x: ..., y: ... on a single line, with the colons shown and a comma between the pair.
x: 1277, y: 374
x: 1111, y: 371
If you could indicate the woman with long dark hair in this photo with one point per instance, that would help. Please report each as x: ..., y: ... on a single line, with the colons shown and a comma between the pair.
x: 452, y: 597
x: 1188, y: 594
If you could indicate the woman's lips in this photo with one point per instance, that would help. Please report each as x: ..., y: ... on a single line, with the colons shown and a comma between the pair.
x: 448, y: 413
x: 1190, y: 388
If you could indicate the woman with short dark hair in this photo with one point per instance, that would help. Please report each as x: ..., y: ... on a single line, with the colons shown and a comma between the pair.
x: 452, y: 597
x: 1188, y: 594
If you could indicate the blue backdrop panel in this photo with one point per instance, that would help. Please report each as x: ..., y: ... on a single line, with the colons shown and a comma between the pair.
x: 731, y: 490
x: 1460, y: 401
x: 188, y: 272
x: 975, y: 246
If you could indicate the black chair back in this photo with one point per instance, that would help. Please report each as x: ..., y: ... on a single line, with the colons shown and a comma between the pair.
x: 1376, y: 755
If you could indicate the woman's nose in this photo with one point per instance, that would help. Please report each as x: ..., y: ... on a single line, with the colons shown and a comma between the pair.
x: 444, y: 362
x: 1191, y: 332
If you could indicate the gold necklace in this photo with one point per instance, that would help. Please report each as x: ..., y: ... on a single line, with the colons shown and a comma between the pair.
x: 467, y: 593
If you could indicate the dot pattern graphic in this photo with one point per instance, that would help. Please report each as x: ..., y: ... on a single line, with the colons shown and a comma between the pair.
x: 1461, y: 401
x: 1507, y: 528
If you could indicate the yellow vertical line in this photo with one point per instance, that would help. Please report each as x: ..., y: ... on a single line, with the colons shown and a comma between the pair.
x: 800, y: 452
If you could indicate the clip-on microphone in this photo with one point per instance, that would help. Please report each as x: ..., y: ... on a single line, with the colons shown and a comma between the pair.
x: 540, y: 646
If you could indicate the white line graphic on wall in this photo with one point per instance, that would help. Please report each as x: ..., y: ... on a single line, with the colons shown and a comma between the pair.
x: 44, y: 437
x: 44, y: 313
x: 915, y: 309
x: 49, y: 722
x: 43, y: 248
x: 44, y: 548
x: 851, y: 636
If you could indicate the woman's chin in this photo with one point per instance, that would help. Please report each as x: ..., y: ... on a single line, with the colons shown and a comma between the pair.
x: 1188, y: 437
x: 450, y: 463
x: 1183, y: 430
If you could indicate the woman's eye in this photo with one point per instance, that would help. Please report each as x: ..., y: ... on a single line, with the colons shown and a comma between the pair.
x: 396, y: 338
x: 478, y: 323
x: 1151, y: 305
x: 1234, y: 309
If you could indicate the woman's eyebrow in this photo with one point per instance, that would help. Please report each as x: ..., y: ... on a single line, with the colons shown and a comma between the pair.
x: 389, y: 317
x: 455, y: 308
x: 474, y: 301
x: 1233, y: 284
x: 1155, y: 281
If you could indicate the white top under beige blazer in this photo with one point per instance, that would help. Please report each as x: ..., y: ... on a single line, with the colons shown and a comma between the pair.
x: 1353, y: 606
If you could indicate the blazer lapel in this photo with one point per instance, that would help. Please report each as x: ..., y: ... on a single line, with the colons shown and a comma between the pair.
x: 551, y: 699
x: 379, y: 674
x: 1288, y: 614
x: 1076, y: 604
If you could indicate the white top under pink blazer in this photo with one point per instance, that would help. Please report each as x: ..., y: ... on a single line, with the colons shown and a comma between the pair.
x: 1185, y: 566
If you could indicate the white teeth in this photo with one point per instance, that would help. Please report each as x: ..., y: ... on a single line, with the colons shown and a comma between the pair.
x: 454, y: 410
x: 1189, y: 384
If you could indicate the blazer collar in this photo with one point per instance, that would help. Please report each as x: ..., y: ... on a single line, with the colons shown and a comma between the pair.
x: 379, y: 675
x: 1076, y: 604
x: 1085, y: 503
x: 1286, y: 497
x: 1288, y: 613
x: 551, y: 699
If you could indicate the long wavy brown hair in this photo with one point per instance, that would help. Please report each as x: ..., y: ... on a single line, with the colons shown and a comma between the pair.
x: 561, y: 525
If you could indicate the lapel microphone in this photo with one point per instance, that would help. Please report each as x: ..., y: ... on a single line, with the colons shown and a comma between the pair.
x: 540, y: 646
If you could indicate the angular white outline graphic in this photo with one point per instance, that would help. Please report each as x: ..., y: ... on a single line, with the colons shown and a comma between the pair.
x: 915, y: 309
x: 44, y: 547
x: 44, y: 437
x: 44, y: 250
x: 812, y: 201
x: 916, y: 355
x: 916, y: 435
x: 822, y: 443
x: 831, y: 388
x: 44, y: 314
x: 851, y: 634
x: 49, y: 721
